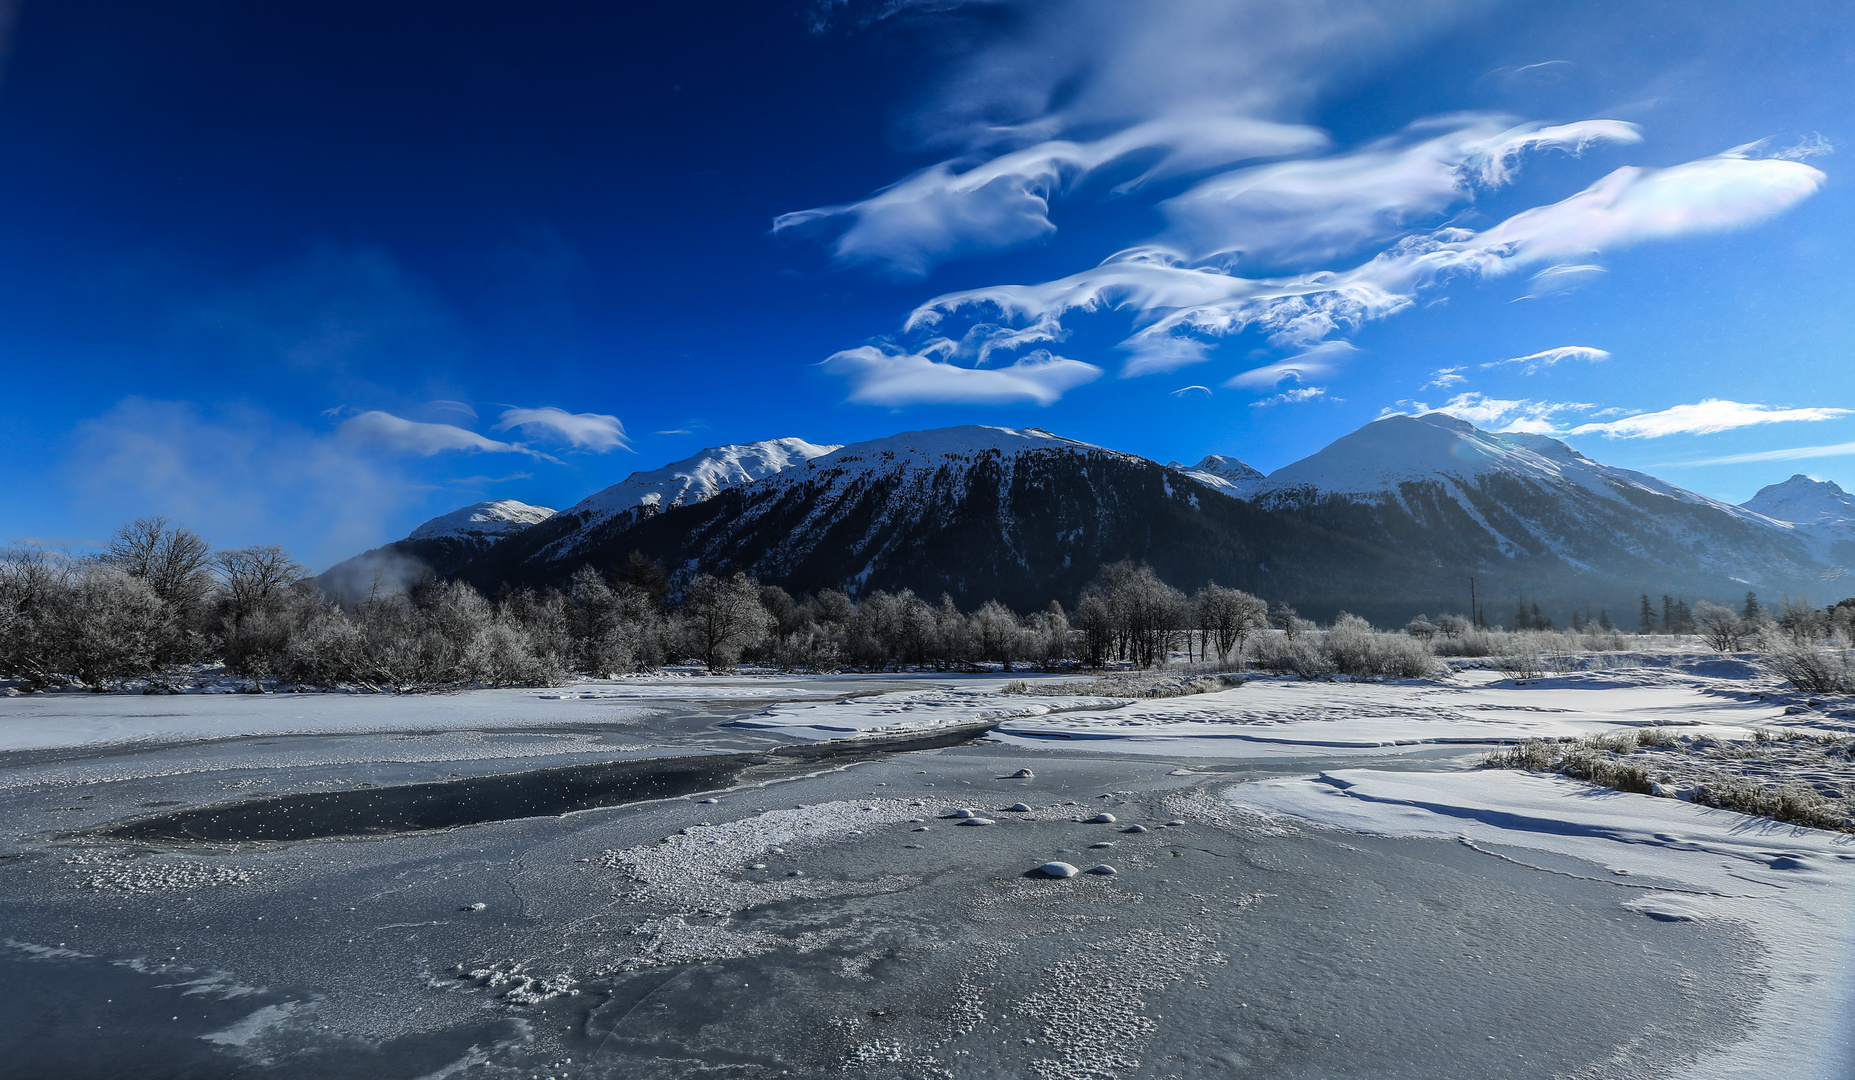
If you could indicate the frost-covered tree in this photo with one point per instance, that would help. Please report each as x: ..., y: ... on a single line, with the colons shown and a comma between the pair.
x: 724, y: 616
x: 1229, y: 619
x: 1722, y: 628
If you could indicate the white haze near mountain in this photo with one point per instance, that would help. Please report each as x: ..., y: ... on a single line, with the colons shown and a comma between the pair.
x: 1283, y: 236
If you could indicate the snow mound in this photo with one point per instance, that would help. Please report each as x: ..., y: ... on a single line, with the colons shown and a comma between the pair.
x: 485, y: 519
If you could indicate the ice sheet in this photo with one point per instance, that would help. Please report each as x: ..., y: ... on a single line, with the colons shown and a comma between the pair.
x: 1794, y: 887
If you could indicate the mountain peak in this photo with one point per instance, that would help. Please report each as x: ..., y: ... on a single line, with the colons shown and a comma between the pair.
x: 1803, y: 500
x: 1223, y: 473
x: 700, y: 476
x: 498, y: 517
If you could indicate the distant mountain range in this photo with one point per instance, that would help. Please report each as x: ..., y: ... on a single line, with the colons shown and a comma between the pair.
x: 1387, y: 521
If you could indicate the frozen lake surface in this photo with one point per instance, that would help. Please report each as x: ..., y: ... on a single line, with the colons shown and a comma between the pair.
x: 1310, y: 881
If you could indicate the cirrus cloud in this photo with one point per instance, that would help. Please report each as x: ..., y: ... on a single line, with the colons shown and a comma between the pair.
x: 1703, y: 418
x: 588, y: 431
x: 886, y: 377
x: 384, y: 431
x: 1533, y: 362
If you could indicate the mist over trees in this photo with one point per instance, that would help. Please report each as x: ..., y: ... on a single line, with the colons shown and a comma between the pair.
x: 159, y: 605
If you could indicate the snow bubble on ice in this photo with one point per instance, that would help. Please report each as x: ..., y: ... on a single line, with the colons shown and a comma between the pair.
x: 976, y: 821
x: 1175, y: 823
x: 756, y: 866
x: 708, y: 802
x: 1102, y: 819
x: 777, y: 850
x: 1023, y: 774
x: 1135, y: 828
x: 1057, y: 869
x: 1018, y: 808
x: 966, y: 811
x: 478, y: 906
x: 1103, y: 843
x: 921, y: 828
x: 1104, y: 869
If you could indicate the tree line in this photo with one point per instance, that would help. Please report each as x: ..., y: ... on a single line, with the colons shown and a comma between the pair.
x: 160, y: 602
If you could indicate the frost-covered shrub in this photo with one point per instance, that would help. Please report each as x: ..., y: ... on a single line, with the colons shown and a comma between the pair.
x: 1300, y: 656
x: 1353, y: 648
x: 1812, y: 669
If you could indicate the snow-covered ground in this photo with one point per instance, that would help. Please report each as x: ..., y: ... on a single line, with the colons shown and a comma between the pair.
x: 1794, y: 886
x: 1282, y: 904
x: 75, y: 719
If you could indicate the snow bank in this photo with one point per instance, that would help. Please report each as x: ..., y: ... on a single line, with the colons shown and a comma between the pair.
x: 1280, y: 717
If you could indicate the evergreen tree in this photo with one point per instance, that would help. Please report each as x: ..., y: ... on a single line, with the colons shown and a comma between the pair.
x: 1647, y: 616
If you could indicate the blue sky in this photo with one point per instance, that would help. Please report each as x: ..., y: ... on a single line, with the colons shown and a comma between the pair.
x: 312, y: 273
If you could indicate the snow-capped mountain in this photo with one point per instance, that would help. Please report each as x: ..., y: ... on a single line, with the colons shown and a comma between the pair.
x: 484, y: 520
x: 980, y: 513
x: 1225, y: 474
x: 1804, y: 501
x: 440, y: 547
x: 1440, y: 487
x: 696, y: 478
x: 1821, y: 511
x: 587, y: 525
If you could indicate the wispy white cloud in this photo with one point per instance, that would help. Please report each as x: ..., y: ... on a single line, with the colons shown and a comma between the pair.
x: 1703, y: 418
x: 894, y: 379
x: 1444, y: 378
x: 1301, y: 213
x: 965, y: 207
x: 1532, y: 363
x: 1184, y: 307
x: 1088, y: 65
x: 1793, y: 453
x: 1292, y: 397
x: 1194, y: 389
x: 1504, y: 414
x: 383, y: 430
x: 1563, y: 278
x: 1315, y: 363
x: 587, y: 431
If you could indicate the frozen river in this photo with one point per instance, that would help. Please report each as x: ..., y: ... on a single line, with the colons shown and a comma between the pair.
x: 668, y: 878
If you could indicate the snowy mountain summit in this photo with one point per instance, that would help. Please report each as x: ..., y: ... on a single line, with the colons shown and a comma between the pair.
x: 697, y: 478
x: 1803, y: 500
x: 1223, y: 473
x: 483, y: 520
x: 1440, y: 486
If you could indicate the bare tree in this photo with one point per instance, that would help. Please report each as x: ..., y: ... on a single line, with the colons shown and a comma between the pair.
x: 252, y: 578
x: 1722, y: 628
x: 173, y: 559
x: 1229, y: 618
x: 724, y: 616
